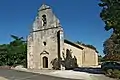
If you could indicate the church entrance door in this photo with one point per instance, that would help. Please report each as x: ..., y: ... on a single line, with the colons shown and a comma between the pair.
x: 45, y: 62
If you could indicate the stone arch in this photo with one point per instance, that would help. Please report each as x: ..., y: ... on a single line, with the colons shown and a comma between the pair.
x: 45, y: 62
x: 44, y: 53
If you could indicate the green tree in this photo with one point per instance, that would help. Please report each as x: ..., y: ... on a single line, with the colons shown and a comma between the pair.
x: 14, y: 53
x: 100, y: 58
x: 3, y: 54
x: 69, y: 62
x: 112, y: 48
x: 110, y: 14
x: 55, y: 64
x: 17, y: 51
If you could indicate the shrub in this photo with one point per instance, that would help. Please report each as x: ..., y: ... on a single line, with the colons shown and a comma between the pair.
x: 68, y: 63
x: 113, y: 73
x: 116, y: 74
x: 108, y: 72
x: 55, y: 64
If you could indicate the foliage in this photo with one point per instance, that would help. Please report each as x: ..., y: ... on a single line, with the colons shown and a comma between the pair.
x: 112, y: 48
x: 69, y: 62
x: 87, y: 45
x: 111, y: 17
x: 55, y: 64
x: 108, y: 72
x: 113, y: 73
x: 18, y: 50
x: 100, y: 58
x: 110, y: 14
x: 14, y: 53
x: 116, y: 74
x: 3, y: 54
x: 112, y: 57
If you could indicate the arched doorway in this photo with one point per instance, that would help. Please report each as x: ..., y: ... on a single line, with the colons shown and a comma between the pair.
x: 45, y: 62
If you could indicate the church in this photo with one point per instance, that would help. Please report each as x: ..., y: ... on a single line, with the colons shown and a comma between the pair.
x: 46, y: 42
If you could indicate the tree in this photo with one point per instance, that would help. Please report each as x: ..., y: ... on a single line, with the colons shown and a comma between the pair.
x: 14, y: 53
x: 55, y: 64
x: 112, y: 48
x: 69, y: 62
x: 17, y: 51
x: 110, y: 14
x: 100, y: 58
x: 3, y: 54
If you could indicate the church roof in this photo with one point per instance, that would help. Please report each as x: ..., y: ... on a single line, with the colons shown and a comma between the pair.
x: 73, y: 44
x: 44, y: 7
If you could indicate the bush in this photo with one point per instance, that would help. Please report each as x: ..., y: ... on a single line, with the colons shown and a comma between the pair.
x: 68, y: 63
x: 108, y: 72
x: 55, y: 64
x: 116, y: 74
x: 113, y: 73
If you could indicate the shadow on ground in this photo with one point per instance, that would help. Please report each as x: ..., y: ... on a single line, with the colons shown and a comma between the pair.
x: 10, y: 74
x: 89, y: 70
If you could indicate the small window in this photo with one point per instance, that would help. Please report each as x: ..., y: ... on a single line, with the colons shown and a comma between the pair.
x: 44, y: 20
x: 44, y: 43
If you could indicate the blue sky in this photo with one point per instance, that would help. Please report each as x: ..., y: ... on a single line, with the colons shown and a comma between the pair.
x: 79, y: 18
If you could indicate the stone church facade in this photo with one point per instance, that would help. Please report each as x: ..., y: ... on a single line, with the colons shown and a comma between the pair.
x: 46, y: 42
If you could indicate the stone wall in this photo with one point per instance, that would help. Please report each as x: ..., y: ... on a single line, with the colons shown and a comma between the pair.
x: 77, y: 52
x: 45, y: 38
x: 89, y: 57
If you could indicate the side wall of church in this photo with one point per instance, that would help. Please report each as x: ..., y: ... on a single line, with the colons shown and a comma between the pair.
x: 90, y: 57
x: 75, y: 52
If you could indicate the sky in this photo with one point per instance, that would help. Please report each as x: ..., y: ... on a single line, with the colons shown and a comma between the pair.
x: 79, y: 19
